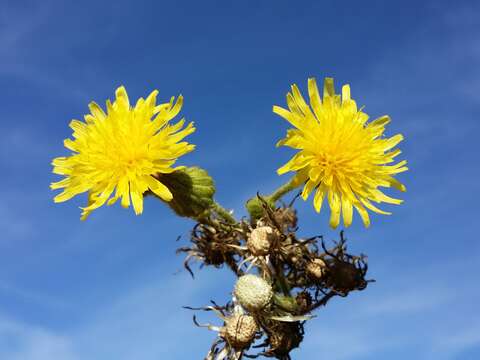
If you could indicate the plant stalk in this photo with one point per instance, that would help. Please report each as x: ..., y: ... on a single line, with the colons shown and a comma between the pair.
x: 224, y: 213
x: 282, y: 190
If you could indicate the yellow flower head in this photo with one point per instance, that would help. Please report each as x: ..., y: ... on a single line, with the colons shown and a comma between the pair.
x: 118, y: 153
x: 341, y: 157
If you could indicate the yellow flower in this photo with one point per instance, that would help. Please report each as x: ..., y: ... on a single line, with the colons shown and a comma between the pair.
x: 342, y: 157
x: 122, y: 150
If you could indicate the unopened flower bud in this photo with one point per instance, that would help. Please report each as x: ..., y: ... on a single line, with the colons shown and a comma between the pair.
x: 260, y: 240
x: 240, y: 330
x: 256, y: 209
x: 252, y: 292
x: 316, y: 268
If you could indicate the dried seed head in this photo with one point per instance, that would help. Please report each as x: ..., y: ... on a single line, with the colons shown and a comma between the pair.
x: 286, y: 217
x: 253, y: 292
x: 346, y: 277
x: 285, y: 338
x: 260, y: 240
x: 294, y: 254
x: 317, y: 269
x: 240, y: 330
x: 304, y: 301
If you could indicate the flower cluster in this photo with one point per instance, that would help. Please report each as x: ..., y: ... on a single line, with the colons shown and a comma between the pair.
x: 129, y: 152
x: 282, y: 280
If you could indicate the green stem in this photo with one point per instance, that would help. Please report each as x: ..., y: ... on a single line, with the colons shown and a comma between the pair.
x: 285, y: 302
x: 282, y: 282
x: 282, y: 190
x: 220, y: 210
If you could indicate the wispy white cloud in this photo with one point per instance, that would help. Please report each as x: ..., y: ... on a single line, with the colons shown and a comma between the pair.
x: 20, y: 341
x: 18, y: 26
x: 145, y: 323
x: 346, y: 341
x: 407, y: 301
x: 13, y: 224
x: 417, y: 313
x: 19, y: 54
x: 7, y: 290
x: 449, y: 344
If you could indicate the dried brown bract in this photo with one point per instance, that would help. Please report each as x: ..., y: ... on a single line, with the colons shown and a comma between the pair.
x: 212, y: 245
x: 282, y: 279
x: 238, y: 333
x: 345, y: 272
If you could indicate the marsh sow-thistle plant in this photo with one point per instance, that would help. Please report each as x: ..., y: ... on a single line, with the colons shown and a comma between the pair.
x: 127, y: 152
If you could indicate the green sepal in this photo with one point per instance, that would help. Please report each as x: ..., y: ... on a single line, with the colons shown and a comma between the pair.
x: 192, y: 189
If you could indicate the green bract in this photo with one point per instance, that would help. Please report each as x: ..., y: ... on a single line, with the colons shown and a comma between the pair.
x: 192, y: 189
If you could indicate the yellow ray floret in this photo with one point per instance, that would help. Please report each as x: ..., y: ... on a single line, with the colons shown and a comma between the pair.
x: 342, y: 157
x: 116, y: 154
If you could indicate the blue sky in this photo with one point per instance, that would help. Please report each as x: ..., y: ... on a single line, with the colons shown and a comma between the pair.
x: 109, y: 288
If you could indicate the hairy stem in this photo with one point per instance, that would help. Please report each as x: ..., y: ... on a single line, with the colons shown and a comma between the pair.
x: 223, y: 213
x: 282, y: 190
x: 280, y: 279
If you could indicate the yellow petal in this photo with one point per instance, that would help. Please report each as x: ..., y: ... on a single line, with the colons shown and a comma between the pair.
x: 397, y: 184
x: 175, y: 109
x: 71, y: 145
x: 159, y: 189
x: 381, y: 197
x: 122, y: 98
x: 318, y: 199
x: 96, y: 201
x: 60, y: 184
x: 137, y: 198
x: 289, y: 116
x: 125, y: 194
x: 372, y: 207
x: 392, y: 142
x: 151, y: 99
x: 189, y: 129
x: 293, y: 106
x: 328, y: 87
x: 363, y: 214
x: 307, y: 189
x: 64, y: 196
x: 299, y: 100
x: 345, y: 93
x: 347, y: 211
x: 293, y: 139
x: 79, y: 128
x: 297, y: 162
x: 335, y: 207
x: 315, y: 100
x: 380, y: 122
x: 300, y: 177
x: 97, y: 111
